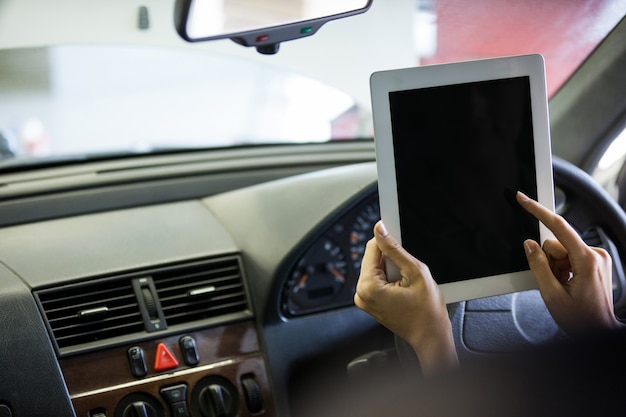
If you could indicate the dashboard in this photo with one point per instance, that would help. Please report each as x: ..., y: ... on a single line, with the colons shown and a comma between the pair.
x: 238, y: 303
x: 169, y: 309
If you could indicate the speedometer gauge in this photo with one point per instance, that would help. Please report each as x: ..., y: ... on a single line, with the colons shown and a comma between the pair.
x: 319, y: 276
x: 361, y: 232
x: 325, y: 270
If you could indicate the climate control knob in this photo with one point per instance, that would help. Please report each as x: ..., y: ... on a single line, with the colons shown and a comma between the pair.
x: 215, y: 396
x: 139, y: 409
x: 139, y: 405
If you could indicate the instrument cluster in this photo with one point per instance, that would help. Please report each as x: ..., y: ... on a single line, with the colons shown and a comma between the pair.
x: 325, y: 274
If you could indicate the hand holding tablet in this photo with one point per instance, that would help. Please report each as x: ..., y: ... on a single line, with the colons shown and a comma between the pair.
x: 574, y: 280
x: 454, y: 143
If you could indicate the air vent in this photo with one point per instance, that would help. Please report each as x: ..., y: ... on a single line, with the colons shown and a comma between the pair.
x: 85, y: 313
x: 106, y: 312
x: 202, y: 292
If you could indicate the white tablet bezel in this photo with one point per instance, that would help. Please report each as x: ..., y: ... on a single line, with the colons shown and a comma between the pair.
x: 384, y: 82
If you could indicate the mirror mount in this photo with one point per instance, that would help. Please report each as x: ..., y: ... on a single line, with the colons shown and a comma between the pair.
x: 205, y: 20
x: 270, y: 49
x: 267, y: 40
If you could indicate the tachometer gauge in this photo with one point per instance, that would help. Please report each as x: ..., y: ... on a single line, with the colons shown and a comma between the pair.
x: 362, y: 231
x: 319, y: 276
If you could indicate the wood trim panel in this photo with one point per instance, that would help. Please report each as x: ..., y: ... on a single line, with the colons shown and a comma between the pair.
x: 100, y: 380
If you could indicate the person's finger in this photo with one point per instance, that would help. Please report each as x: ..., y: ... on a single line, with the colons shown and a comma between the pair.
x: 557, y: 225
x: 408, y: 265
x: 605, y: 262
x: 558, y: 257
x: 554, y: 249
x: 540, y: 267
x: 371, y: 277
x: 372, y: 256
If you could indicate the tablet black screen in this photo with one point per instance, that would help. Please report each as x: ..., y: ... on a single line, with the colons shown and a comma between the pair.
x: 461, y: 152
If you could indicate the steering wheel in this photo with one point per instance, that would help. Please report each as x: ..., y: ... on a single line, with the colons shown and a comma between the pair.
x: 594, y: 214
x: 597, y: 218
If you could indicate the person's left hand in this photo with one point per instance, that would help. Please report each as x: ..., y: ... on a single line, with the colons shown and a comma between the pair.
x: 413, y: 307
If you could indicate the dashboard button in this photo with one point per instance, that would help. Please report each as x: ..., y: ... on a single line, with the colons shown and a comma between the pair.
x: 174, y: 394
x: 180, y: 410
x: 190, y: 350
x: 137, y: 362
x: 165, y: 359
x: 176, y: 397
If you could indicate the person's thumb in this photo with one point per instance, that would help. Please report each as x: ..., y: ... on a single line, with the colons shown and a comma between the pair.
x: 393, y: 250
x: 540, y: 267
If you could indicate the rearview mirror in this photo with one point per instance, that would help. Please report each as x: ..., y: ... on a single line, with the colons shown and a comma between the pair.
x: 263, y: 24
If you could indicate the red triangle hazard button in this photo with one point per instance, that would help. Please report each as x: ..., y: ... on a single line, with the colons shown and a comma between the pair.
x: 164, y: 360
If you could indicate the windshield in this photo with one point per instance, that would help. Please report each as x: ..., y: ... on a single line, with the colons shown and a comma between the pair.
x: 82, y: 98
x: 95, y: 99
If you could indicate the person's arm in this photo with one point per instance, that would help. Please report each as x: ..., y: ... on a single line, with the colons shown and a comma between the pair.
x: 413, y: 307
x: 573, y: 278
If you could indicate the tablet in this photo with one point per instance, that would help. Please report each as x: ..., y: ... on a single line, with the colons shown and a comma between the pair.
x: 454, y: 143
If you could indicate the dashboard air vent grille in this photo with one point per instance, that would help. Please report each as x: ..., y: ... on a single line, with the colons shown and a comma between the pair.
x: 202, y: 291
x: 89, y: 312
x: 116, y: 310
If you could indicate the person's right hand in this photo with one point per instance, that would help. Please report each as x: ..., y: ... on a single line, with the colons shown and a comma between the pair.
x: 413, y: 307
x: 574, y: 279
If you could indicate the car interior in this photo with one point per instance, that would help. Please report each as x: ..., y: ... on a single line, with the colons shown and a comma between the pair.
x: 217, y: 279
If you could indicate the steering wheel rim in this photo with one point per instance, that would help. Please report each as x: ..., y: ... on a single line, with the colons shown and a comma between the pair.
x: 580, y: 188
x: 585, y: 205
